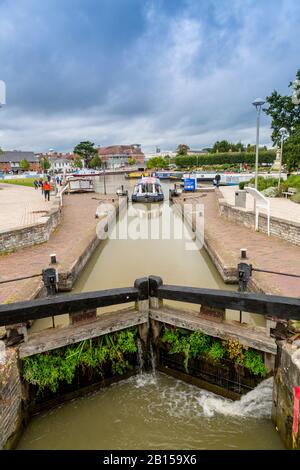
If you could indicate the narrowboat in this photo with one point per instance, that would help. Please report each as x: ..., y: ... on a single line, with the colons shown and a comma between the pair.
x: 148, y: 189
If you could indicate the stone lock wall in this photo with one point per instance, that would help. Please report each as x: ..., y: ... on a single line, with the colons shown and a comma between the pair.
x: 10, y: 399
x: 289, y: 231
x: 286, y: 379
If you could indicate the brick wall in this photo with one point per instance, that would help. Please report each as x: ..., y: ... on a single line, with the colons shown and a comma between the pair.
x: 32, y: 234
x: 286, y: 378
x: 289, y: 231
x: 10, y: 400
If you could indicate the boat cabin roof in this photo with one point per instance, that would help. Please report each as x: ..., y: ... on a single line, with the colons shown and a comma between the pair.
x: 149, y: 180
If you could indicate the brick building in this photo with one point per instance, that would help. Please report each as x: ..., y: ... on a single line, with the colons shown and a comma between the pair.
x: 118, y: 156
x: 10, y: 161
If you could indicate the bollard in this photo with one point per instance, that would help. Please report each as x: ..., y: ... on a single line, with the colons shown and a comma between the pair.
x: 244, y: 274
x: 50, y: 279
x: 243, y: 253
x: 53, y: 258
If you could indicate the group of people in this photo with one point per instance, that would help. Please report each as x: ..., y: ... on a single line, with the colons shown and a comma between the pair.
x: 45, y: 185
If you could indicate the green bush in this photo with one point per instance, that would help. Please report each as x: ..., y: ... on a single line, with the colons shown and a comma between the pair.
x: 296, y: 198
x: 270, y: 192
x: 223, y: 158
x: 262, y: 183
x: 292, y: 181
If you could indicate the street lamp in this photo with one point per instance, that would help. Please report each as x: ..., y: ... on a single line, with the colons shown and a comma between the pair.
x: 258, y: 103
x: 103, y: 167
x: 283, y: 135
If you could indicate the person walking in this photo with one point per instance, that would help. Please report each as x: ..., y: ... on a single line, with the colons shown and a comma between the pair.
x: 36, y: 184
x: 41, y: 185
x: 47, y: 190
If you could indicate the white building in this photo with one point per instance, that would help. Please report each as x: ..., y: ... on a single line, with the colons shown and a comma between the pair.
x: 62, y: 165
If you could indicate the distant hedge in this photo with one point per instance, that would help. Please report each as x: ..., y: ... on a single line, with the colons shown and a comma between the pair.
x: 220, y: 158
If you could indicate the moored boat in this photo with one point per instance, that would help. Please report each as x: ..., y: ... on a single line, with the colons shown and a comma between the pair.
x: 148, y: 189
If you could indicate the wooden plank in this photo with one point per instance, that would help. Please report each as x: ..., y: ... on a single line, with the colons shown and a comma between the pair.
x: 21, y: 312
x: 282, y: 307
x: 253, y: 337
x: 53, y: 338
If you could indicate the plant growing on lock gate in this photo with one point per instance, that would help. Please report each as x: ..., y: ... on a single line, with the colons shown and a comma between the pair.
x: 48, y: 370
x: 196, y: 343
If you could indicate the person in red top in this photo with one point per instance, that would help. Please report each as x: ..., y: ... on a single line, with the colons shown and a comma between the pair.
x: 47, y: 188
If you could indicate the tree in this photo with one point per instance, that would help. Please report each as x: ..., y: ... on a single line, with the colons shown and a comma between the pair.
x: 86, y: 151
x: 24, y: 165
x: 131, y: 161
x: 221, y: 146
x: 157, y: 162
x: 77, y: 162
x: 239, y: 147
x: 284, y: 110
x: 95, y: 162
x: 182, y: 149
x: 291, y: 150
x: 45, y: 164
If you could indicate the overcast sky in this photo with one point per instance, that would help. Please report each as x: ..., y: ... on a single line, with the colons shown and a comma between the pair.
x: 157, y: 72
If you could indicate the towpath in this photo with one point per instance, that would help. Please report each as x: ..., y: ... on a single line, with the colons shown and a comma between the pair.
x: 68, y: 241
x: 21, y: 206
x: 227, y: 238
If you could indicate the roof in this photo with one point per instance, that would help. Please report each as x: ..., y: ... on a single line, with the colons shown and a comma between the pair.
x: 61, y: 160
x: 149, y: 180
x: 15, y: 156
x: 126, y: 150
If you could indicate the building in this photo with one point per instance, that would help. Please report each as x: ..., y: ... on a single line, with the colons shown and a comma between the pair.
x: 10, y: 161
x: 120, y: 156
x: 61, y: 165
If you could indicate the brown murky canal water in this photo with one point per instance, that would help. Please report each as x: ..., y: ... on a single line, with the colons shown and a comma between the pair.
x: 153, y: 411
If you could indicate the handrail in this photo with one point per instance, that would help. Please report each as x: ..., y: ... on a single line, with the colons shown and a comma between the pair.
x: 259, y: 201
x: 60, y: 193
x: 22, y: 312
x: 262, y: 304
x: 145, y: 288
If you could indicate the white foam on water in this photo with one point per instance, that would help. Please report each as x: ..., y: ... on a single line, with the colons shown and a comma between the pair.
x: 256, y: 404
x: 144, y: 380
x: 182, y: 400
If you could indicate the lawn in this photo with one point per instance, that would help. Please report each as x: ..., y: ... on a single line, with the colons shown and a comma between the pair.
x: 20, y: 181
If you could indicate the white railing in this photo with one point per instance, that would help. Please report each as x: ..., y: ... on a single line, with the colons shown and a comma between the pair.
x: 59, y: 195
x: 260, y: 202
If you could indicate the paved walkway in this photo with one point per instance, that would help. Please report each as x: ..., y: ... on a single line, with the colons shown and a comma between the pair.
x: 21, y: 206
x: 264, y: 252
x: 67, y: 241
x: 280, y: 207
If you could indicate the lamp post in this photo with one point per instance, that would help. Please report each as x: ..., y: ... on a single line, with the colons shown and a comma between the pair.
x: 283, y: 135
x: 103, y: 166
x: 258, y: 103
